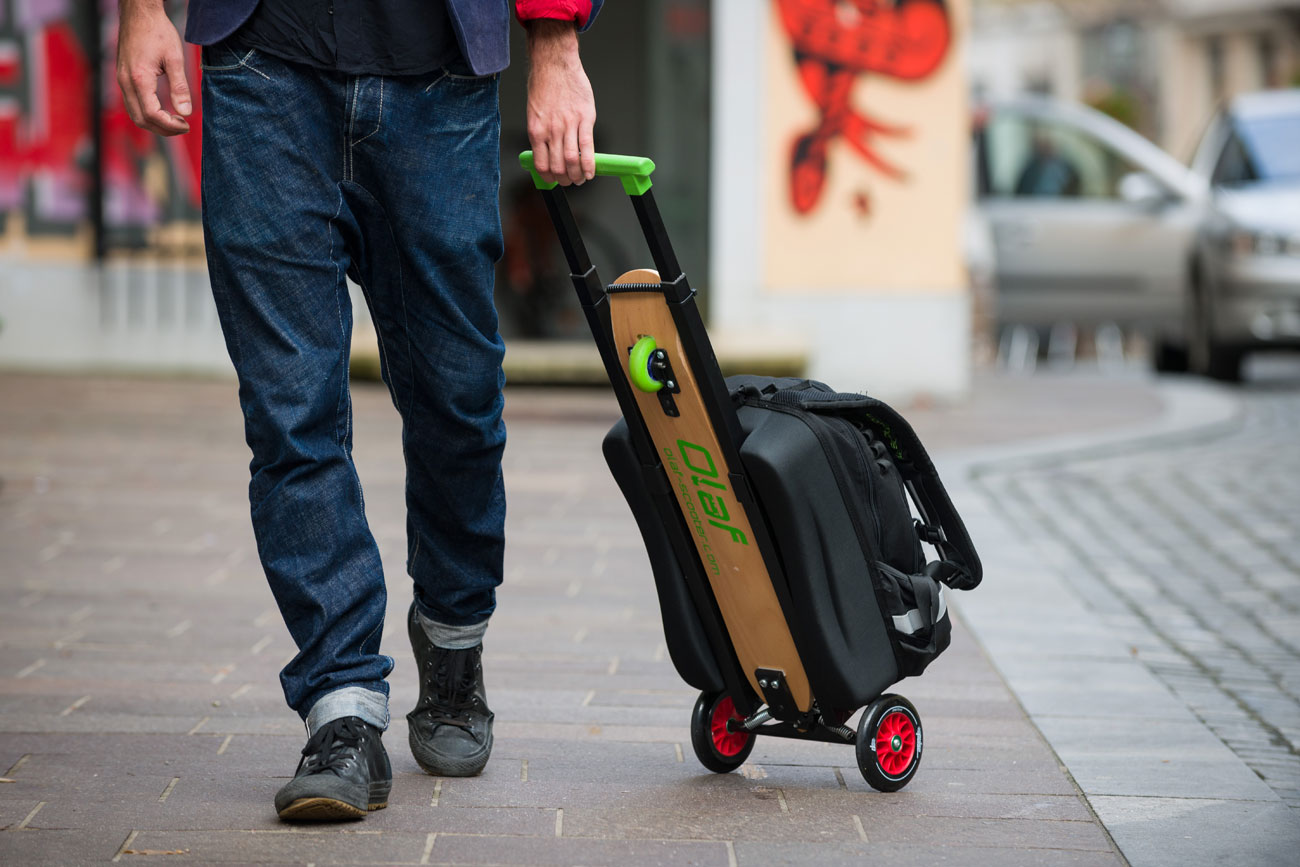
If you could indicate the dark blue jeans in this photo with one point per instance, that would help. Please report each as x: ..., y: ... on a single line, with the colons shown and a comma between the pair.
x: 309, y: 176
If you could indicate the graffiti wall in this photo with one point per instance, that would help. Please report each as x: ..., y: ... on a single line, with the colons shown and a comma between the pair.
x: 867, y: 132
x: 48, y: 165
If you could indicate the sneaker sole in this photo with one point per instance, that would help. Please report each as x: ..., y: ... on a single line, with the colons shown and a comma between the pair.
x: 325, y: 810
x: 442, y: 766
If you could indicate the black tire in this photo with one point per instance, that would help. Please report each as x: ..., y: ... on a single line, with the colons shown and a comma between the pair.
x: 1207, y: 356
x: 1169, y: 357
x: 889, y: 743
x: 1224, y: 363
x: 717, y: 749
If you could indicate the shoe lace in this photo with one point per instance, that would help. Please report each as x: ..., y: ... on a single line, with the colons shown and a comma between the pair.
x: 334, y: 745
x: 454, y: 677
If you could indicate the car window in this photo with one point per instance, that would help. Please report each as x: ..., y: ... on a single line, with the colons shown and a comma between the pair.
x: 1234, y: 165
x: 1032, y: 157
x: 1273, y: 145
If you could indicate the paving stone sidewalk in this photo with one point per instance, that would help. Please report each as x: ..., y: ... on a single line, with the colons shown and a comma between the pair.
x: 1147, y: 615
x: 141, y: 717
x: 1193, y: 543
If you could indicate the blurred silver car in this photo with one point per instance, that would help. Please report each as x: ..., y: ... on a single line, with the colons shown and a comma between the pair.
x: 1092, y: 223
x: 1244, y: 290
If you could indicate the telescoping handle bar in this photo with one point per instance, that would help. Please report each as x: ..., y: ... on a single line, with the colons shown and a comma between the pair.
x: 634, y: 172
x: 696, y: 354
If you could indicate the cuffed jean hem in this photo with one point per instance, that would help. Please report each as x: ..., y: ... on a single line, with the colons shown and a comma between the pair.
x: 452, y: 637
x: 356, y: 701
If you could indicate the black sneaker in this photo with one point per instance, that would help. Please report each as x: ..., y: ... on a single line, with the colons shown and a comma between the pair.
x: 451, y: 726
x: 344, y: 773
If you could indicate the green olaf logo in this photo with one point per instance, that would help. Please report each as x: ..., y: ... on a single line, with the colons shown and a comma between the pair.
x: 705, y: 478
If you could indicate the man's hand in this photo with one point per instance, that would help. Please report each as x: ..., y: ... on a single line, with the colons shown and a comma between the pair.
x: 149, y: 47
x: 561, y: 108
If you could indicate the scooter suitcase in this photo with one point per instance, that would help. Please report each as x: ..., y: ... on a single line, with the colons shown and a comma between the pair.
x: 790, y: 569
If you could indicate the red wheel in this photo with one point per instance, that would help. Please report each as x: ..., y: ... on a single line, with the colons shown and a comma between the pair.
x: 889, y: 743
x: 718, y: 749
x: 895, y: 743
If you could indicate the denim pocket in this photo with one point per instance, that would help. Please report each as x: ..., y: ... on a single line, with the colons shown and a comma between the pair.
x: 225, y: 57
x: 459, y: 74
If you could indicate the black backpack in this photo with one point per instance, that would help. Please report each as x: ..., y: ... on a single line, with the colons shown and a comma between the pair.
x: 831, y: 474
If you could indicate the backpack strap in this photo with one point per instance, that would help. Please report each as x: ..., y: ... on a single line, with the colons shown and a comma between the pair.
x: 959, y: 565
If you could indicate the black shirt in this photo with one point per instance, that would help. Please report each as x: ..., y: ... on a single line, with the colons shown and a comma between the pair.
x: 379, y: 37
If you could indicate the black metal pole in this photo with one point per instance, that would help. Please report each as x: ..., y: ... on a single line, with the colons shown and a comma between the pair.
x: 656, y: 237
x: 595, y: 305
x: 700, y: 358
x: 95, y: 197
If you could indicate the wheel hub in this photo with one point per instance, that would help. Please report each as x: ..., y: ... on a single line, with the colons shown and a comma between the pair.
x: 895, y: 743
x: 725, y: 741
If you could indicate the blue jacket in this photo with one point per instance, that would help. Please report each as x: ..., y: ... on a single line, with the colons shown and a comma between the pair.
x: 482, y: 27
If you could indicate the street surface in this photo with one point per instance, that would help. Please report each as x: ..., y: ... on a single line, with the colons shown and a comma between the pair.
x: 1145, y: 614
x: 1193, y: 544
x: 140, y: 713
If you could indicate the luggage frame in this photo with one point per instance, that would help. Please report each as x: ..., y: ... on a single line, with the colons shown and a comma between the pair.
x: 724, y: 722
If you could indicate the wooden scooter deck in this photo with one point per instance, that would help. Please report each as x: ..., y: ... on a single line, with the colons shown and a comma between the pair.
x: 693, y: 459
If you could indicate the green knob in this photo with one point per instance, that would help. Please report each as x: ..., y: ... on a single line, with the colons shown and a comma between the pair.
x: 639, y: 365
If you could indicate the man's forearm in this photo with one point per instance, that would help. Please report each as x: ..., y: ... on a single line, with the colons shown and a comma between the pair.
x: 552, y: 43
x: 136, y: 7
x: 561, y: 108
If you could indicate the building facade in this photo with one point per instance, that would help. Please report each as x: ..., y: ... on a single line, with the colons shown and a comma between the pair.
x: 812, y: 170
x: 1162, y: 66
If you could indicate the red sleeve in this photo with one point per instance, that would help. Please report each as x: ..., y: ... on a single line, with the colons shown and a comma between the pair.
x: 577, y: 11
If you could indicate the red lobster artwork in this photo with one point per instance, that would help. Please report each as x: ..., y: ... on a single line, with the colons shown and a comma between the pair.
x: 834, y: 42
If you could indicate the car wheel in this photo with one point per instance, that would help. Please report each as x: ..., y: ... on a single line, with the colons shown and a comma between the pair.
x: 1205, y: 355
x: 1169, y: 357
x: 1225, y: 364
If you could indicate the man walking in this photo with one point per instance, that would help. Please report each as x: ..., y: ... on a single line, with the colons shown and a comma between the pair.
x: 345, y: 138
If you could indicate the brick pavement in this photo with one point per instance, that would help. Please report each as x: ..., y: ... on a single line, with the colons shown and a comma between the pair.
x: 1147, y: 618
x: 1192, y: 545
x: 141, y: 719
